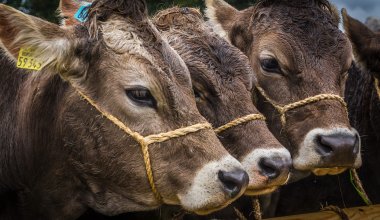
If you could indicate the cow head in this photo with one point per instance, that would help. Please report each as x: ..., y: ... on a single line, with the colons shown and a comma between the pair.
x: 118, y: 60
x: 222, y: 82
x: 298, y: 52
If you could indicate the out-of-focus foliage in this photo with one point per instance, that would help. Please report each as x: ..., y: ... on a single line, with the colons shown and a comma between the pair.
x: 47, y: 8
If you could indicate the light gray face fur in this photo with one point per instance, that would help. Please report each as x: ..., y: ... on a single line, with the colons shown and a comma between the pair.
x: 205, y: 191
x: 258, y: 183
x: 308, y: 156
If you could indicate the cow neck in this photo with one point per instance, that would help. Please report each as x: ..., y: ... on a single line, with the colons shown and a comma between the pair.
x: 313, y: 99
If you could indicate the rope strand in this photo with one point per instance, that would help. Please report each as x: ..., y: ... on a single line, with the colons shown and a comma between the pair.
x: 377, y: 86
x: 144, y: 142
x: 239, y: 121
x: 357, y: 183
x: 256, y: 208
x: 283, y: 109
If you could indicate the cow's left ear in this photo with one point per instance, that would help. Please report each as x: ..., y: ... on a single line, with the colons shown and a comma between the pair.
x: 34, y: 40
x: 366, y: 43
x: 230, y: 23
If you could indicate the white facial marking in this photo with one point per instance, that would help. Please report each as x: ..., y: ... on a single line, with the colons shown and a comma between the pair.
x: 259, y: 184
x: 309, y: 158
x: 207, y: 190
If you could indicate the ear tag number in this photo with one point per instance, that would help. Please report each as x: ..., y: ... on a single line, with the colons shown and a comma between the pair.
x: 81, y: 14
x: 27, y: 60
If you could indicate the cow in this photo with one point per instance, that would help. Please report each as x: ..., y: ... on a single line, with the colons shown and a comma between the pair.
x: 301, y: 59
x: 362, y: 95
x: 105, y: 119
x: 300, y: 71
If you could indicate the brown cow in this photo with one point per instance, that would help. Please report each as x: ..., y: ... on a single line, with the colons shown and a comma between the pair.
x: 223, y: 80
x: 363, y: 99
x: 65, y: 146
x: 301, y: 59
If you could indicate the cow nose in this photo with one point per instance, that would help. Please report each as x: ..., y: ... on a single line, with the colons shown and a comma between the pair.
x: 273, y: 167
x: 338, y: 147
x: 233, y: 182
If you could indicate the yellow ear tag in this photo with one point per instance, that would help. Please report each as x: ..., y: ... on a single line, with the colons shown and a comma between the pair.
x: 27, y: 60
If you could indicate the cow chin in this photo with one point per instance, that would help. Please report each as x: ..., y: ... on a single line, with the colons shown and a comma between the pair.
x: 206, y: 194
x: 262, y: 191
x: 329, y: 171
x: 313, y: 157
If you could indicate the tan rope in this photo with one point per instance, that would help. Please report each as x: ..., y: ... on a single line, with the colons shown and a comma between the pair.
x: 357, y: 183
x: 239, y: 214
x: 377, y: 86
x: 239, y: 121
x: 283, y: 109
x: 256, y: 208
x: 146, y: 141
x: 337, y: 210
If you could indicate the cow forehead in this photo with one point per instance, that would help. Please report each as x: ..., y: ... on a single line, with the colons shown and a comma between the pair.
x: 123, y: 37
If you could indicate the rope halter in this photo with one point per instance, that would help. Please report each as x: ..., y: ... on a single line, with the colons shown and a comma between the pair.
x: 147, y: 140
x: 377, y: 86
x: 283, y: 109
x: 236, y: 122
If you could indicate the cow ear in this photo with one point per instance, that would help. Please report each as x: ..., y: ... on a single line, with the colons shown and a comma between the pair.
x: 222, y: 16
x: 40, y: 40
x: 68, y: 10
x: 366, y: 43
x: 230, y: 23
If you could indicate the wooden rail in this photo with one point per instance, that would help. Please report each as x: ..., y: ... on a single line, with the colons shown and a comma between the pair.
x: 359, y: 213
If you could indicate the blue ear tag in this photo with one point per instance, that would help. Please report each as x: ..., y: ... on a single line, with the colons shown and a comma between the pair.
x: 82, y: 13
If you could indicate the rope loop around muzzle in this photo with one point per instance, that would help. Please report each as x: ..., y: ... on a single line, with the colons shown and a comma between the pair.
x: 147, y: 140
x: 283, y: 109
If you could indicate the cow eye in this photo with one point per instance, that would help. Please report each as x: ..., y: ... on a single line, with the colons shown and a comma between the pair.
x: 270, y: 65
x: 142, y: 97
x: 198, y: 95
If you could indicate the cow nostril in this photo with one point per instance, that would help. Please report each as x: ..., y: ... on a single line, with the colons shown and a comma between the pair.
x: 324, y: 147
x: 233, y: 182
x: 337, y: 149
x: 272, y: 167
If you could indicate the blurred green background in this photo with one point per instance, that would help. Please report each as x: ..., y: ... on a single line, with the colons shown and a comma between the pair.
x: 47, y: 8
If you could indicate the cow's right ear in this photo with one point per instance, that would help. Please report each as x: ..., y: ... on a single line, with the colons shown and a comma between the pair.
x: 39, y: 40
x: 366, y: 43
x: 68, y: 9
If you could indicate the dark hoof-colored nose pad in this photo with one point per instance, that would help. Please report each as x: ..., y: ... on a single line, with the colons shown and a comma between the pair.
x: 273, y: 167
x: 233, y: 182
x: 338, y: 148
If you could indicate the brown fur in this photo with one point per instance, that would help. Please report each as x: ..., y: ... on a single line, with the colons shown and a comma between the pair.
x: 364, y: 108
x: 220, y: 73
x: 366, y: 44
x: 59, y: 157
x: 314, y: 56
